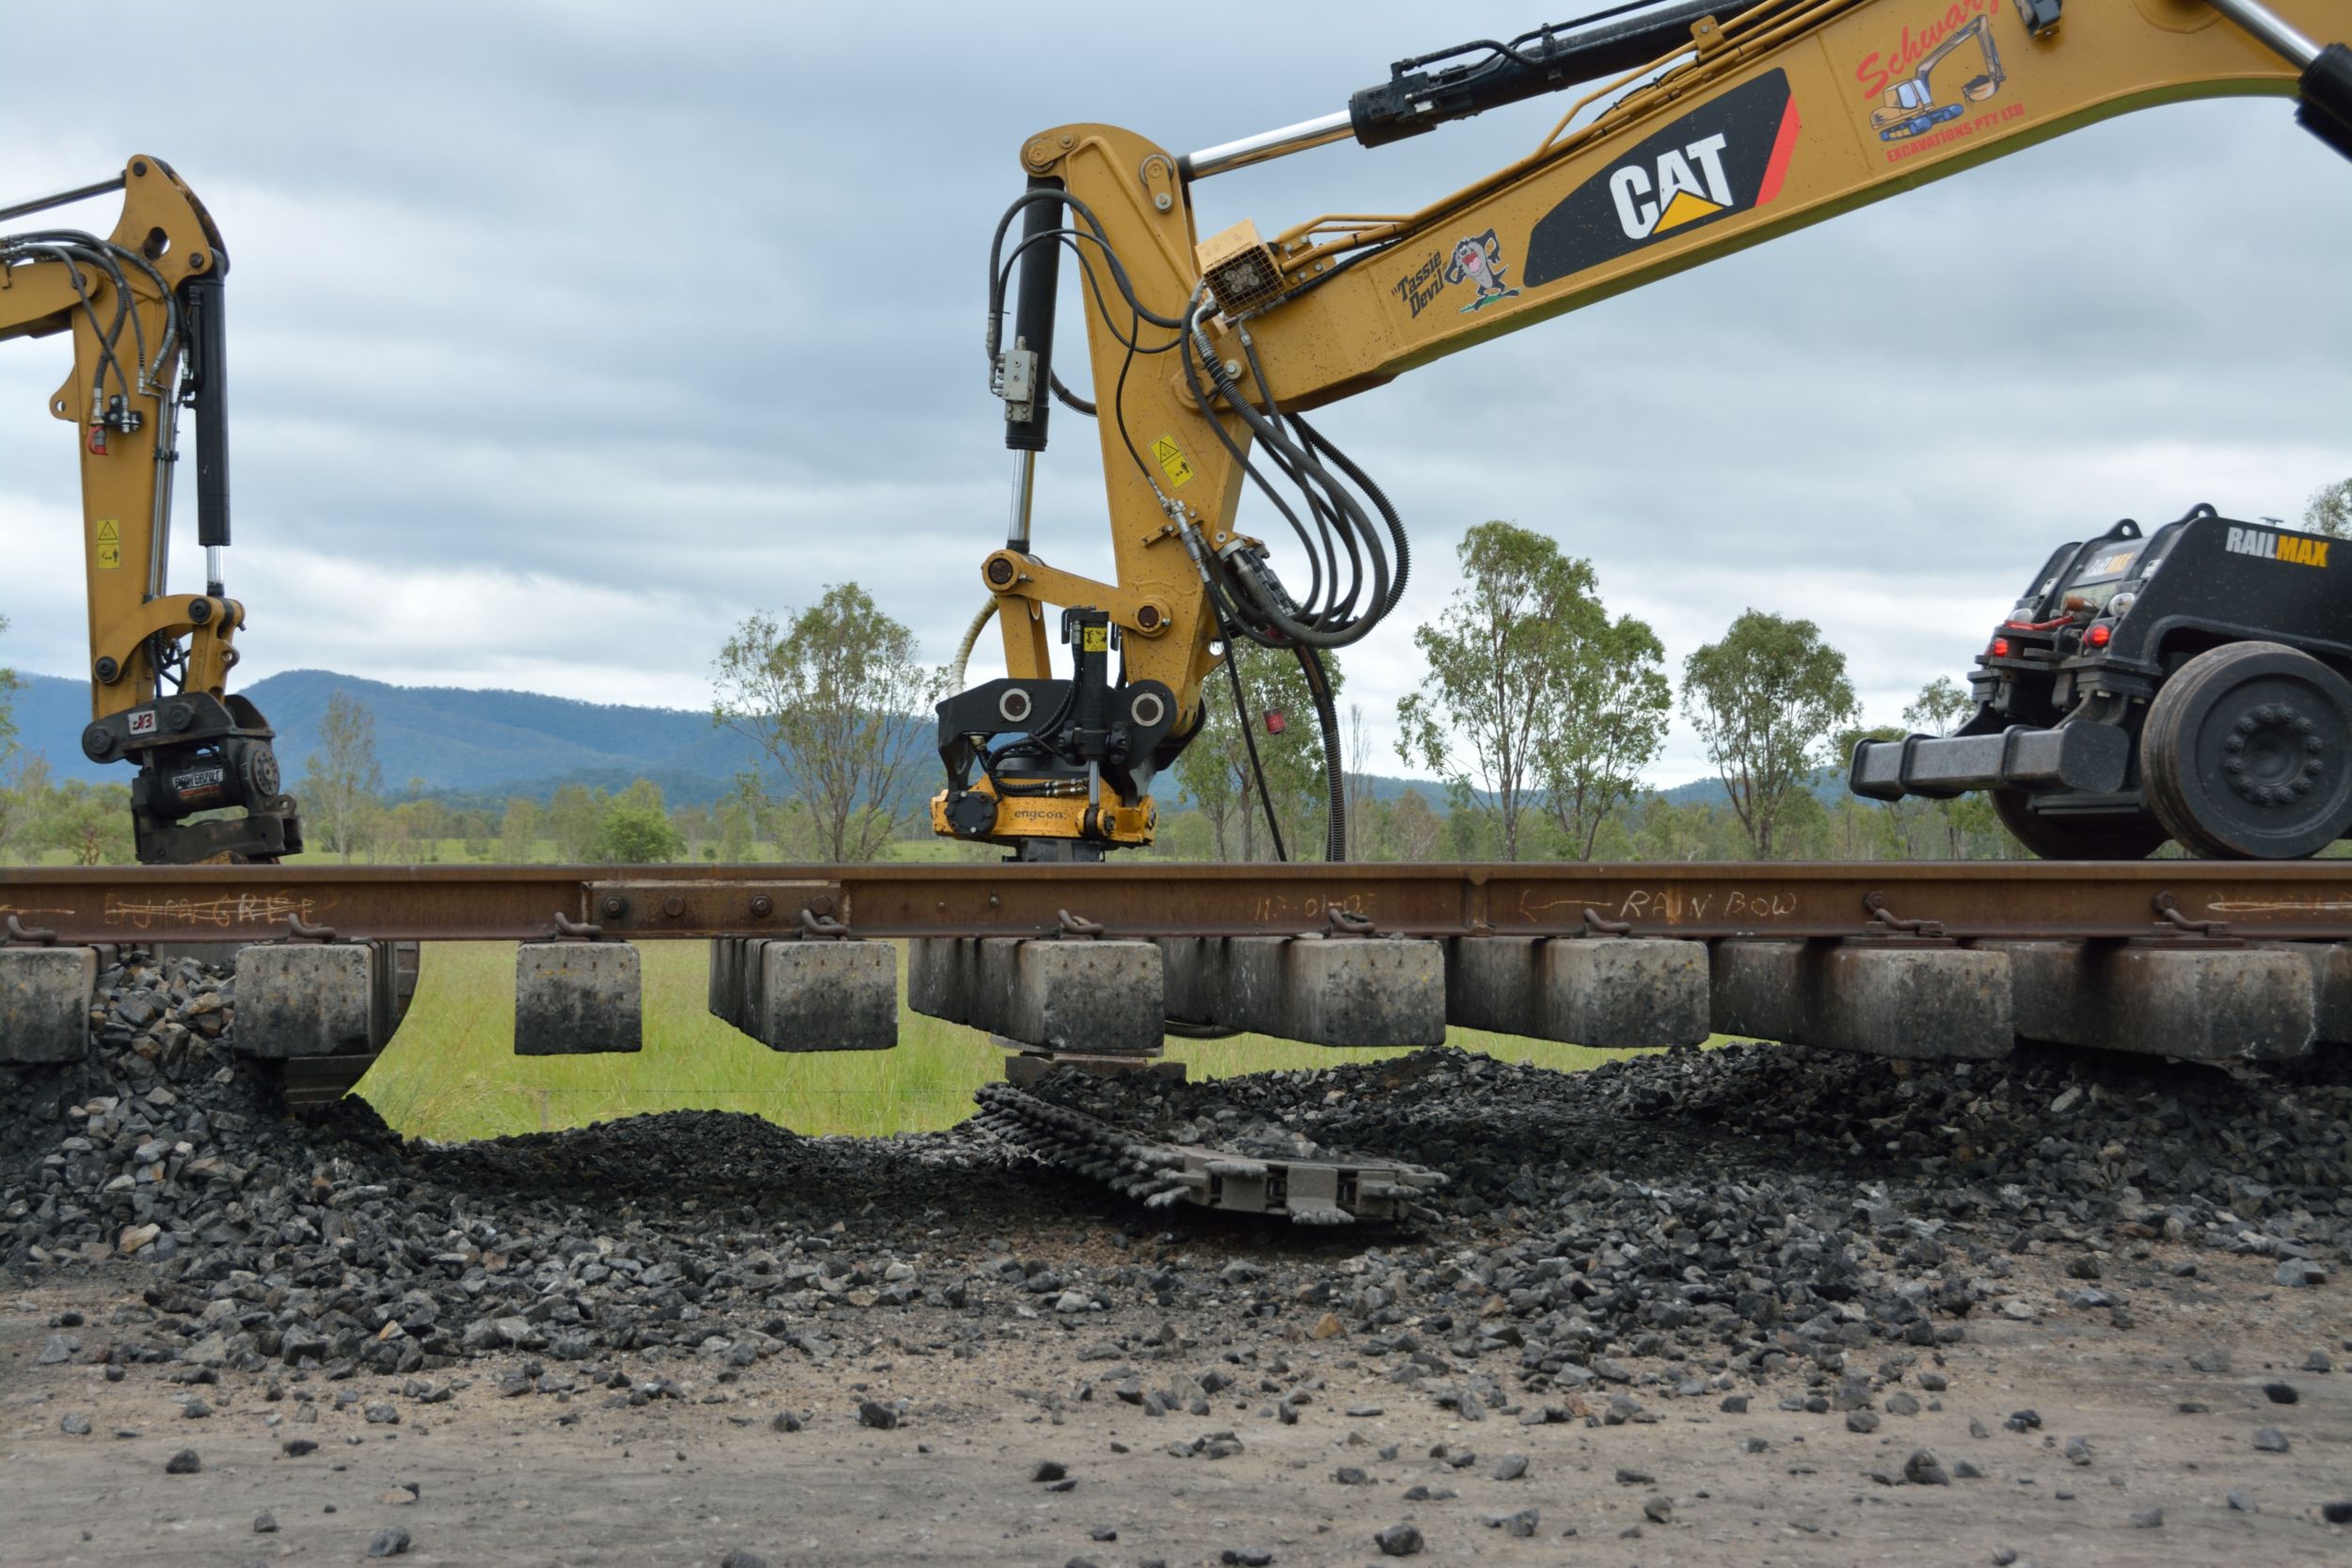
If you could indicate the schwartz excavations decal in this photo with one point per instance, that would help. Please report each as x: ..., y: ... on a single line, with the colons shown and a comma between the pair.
x: 1926, y: 81
x: 1723, y: 157
x: 2293, y: 548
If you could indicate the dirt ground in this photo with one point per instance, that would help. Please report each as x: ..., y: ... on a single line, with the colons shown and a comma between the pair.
x: 686, y: 1479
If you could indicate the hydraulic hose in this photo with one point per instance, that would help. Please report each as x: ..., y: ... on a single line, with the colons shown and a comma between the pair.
x: 1334, y: 778
x: 970, y: 641
x: 1323, y: 626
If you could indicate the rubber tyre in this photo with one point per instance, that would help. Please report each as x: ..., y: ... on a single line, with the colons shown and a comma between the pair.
x: 2133, y: 837
x: 2247, y: 753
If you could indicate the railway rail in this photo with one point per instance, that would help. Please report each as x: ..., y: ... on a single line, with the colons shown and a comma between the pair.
x: 2308, y: 900
x: 1095, y: 966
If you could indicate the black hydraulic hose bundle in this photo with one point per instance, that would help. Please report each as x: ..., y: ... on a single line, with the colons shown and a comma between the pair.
x: 1249, y: 743
x: 1334, y: 778
x: 1249, y: 596
x: 1298, y: 450
x: 1000, y: 270
x: 71, y: 246
x: 1358, y: 567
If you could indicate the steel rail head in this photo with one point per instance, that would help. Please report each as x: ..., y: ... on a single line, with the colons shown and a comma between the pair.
x: 2308, y: 900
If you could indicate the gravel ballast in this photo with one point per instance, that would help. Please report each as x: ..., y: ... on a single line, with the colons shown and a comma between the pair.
x: 1659, y: 1228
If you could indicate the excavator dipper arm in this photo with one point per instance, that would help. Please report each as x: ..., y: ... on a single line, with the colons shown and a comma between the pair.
x: 1702, y: 130
x: 143, y: 306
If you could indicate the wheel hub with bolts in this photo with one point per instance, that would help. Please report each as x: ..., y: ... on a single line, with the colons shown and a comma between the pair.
x: 2274, y: 755
x: 2245, y: 753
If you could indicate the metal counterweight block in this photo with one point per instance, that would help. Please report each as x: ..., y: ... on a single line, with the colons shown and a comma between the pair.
x: 795, y: 995
x: 45, y: 998
x: 1090, y: 995
x: 1614, y: 992
x: 1325, y: 991
x: 308, y: 999
x: 2165, y: 999
x: 577, y: 998
x: 1873, y: 998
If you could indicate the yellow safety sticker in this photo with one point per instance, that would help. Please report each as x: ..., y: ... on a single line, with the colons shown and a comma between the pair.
x: 109, y: 545
x: 1171, y: 462
x: 1095, y: 639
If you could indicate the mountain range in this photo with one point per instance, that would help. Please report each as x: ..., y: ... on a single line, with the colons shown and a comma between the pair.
x: 460, y: 742
x: 470, y: 746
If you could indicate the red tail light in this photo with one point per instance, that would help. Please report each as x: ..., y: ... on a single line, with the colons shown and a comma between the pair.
x: 2000, y: 647
x: 2098, y: 636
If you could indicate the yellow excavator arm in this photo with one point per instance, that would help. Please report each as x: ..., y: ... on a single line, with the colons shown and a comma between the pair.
x: 1700, y: 129
x: 144, y: 307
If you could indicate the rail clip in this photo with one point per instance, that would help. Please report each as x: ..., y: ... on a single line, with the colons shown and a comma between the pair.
x: 1883, y: 919
x: 19, y: 934
x: 2169, y: 919
x: 568, y: 929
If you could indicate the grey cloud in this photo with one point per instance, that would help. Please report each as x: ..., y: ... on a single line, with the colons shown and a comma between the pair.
x: 574, y: 333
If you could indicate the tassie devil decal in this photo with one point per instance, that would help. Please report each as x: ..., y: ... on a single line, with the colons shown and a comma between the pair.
x: 1480, y: 261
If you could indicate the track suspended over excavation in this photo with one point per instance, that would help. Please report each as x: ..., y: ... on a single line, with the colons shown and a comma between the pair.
x: 1096, y: 965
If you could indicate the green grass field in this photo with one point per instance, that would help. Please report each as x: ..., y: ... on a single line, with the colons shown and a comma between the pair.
x: 451, y: 1072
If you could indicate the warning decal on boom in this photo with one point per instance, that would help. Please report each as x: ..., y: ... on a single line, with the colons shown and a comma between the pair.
x: 1171, y: 462
x: 1723, y: 157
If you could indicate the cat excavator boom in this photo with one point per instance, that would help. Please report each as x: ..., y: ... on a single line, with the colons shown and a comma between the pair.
x: 1697, y: 128
x: 144, y: 308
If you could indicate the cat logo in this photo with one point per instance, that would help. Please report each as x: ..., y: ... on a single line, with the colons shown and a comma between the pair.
x: 2295, y: 549
x: 1723, y: 157
x: 1678, y: 194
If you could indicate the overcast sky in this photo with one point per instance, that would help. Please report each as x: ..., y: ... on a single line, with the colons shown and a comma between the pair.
x: 564, y: 336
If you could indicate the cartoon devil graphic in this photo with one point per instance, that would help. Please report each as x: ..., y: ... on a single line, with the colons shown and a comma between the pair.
x: 1480, y: 259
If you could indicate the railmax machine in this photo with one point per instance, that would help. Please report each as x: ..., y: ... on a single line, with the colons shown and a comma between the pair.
x: 2183, y: 684
x: 1704, y: 126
